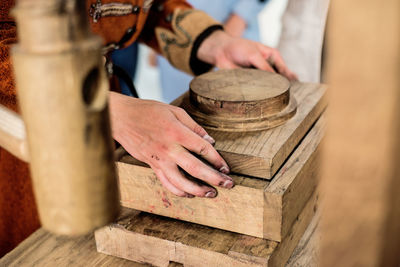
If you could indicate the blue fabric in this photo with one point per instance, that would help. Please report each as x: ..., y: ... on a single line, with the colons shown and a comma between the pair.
x: 175, y: 82
x: 127, y: 59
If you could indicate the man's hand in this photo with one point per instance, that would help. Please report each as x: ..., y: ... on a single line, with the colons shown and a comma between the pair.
x: 162, y: 136
x: 227, y: 52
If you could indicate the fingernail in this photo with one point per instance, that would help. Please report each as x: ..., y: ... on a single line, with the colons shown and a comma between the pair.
x: 209, y: 139
x: 211, y: 194
x: 224, y: 169
x: 226, y: 176
x: 189, y: 196
x: 228, y: 184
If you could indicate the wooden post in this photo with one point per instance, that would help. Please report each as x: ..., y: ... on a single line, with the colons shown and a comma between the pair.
x: 361, y: 177
x: 62, y: 91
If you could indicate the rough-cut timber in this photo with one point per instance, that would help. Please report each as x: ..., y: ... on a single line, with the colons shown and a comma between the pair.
x: 261, y: 154
x: 253, y: 207
x: 240, y: 100
x: 157, y: 240
x: 45, y: 249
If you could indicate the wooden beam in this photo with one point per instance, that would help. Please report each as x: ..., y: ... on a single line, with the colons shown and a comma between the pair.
x: 254, y: 207
x: 361, y: 170
x: 45, y: 249
x: 156, y: 240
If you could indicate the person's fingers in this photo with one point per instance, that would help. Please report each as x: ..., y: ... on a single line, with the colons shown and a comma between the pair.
x: 265, y: 50
x: 182, y: 183
x: 294, y: 77
x: 274, y: 57
x: 227, y: 64
x: 170, y: 187
x: 278, y: 61
x: 194, y: 143
x: 199, y: 170
x: 183, y: 117
x: 259, y: 62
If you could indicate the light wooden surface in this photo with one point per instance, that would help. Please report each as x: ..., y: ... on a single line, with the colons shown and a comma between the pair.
x: 158, y: 240
x: 240, y: 100
x: 361, y: 171
x: 239, y: 85
x: 254, y: 207
x: 230, y: 123
x: 62, y: 94
x: 44, y: 249
x: 262, y: 153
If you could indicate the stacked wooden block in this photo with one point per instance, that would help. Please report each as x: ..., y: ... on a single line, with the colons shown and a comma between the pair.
x: 257, y: 223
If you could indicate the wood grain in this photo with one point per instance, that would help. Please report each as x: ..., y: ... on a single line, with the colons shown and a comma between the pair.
x: 261, y: 154
x: 259, y: 122
x: 239, y: 93
x: 361, y: 184
x: 239, y: 209
x: 47, y: 250
x: 158, y: 240
x: 240, y: 100
x: 63, y: 97
x: 307, y: 252
x: 293, y: 184
x: 254, y: 207
x: 239, y: 85
x: 44, y: 249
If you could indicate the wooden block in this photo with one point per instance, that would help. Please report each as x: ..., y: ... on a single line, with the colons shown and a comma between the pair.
x: 240, y: 92
x: 45, y: 249
x: 253, y: 207
x: 261, y: 154
x: 240, y: 100
x: 157, y: 240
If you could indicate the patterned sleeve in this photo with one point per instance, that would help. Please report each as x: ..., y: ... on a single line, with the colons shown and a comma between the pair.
x: 176, y: 30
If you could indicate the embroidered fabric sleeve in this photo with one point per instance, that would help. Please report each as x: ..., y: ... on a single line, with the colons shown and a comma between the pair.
x: 160, y: 15
x: 177, y: 45
x: 176, y: 32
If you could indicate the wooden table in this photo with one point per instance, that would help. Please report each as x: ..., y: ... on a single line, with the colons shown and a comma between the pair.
x: 44, y: 249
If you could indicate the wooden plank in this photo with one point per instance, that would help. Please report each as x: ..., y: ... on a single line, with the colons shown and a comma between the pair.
x: 292, y: 185
x: 361, y: 185
x: 158, y: 240
x: 44, y: 249
x: 252, y: 207
x: 307, y: 252
x: 261, y: 154
x: 239, y: 209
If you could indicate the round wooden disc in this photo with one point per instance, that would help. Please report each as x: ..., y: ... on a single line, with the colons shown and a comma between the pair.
x: 240, y: 93
x: 232, y: 124
x: 240, y: 100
